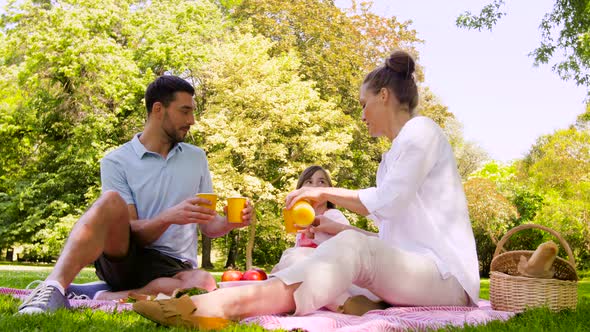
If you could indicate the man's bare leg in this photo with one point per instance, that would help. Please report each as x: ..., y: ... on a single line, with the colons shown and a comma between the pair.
x: 182, y: 280
x: 103, y: 228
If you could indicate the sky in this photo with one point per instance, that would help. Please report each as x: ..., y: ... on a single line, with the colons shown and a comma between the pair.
x: 487, y: 79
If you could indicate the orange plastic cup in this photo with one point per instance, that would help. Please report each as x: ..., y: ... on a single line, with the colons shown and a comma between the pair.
x: 235, y: 205
x: 289, y: 225
x: 303, y: 214
x: 211, y: 197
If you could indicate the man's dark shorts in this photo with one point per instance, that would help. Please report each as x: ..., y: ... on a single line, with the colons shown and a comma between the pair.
x: 138, y: 268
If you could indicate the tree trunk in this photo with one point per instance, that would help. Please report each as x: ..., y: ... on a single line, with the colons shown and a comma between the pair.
x: 206, y: 252
x: 232, y: 254
x: 250, y: 244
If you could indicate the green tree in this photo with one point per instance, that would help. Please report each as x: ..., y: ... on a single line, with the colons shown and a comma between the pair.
x: 470, y: 156
x: 431, y: 106
x: 337, y: 48
x: 558, y: 167
x: 74, y: 75
x: 263, y: 125
x: 277, y: 87
x: 74, y: 82
x: 527, y: 200
x: 491, y: 216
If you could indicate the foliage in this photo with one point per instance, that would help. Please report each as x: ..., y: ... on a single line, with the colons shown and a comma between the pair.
x: 336, y: 50
x: 560, y: 161
x: 487, y: 18
x: 558, y: 166
x: 550, y: 186
x: 74, y: 73
x: 489, y: 211
x: 69, y: 80
x: 48, y: 242
x: 565, y: 28
x: 527, y: 203
x: 491, y: 216
x: 277, y: 86
x: 469, y: 155
x: 503, y: 175
x: 260, y: 127
x: 432, y: 107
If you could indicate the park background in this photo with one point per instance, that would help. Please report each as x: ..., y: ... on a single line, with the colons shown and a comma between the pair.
x: 277, y: 85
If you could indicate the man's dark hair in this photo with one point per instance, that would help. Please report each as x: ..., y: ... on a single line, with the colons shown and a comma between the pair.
x: 163, y: 89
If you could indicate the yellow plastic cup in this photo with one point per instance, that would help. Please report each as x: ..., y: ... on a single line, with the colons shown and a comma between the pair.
x: 289, y: 225
x: 235, y: 205
x: 303, y: 213
x: 211, y: 197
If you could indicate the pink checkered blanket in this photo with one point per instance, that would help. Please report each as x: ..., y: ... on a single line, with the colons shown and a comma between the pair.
x: 392, y: 319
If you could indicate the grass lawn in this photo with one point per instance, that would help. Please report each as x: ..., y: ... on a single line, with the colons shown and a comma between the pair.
x: 86, y: 320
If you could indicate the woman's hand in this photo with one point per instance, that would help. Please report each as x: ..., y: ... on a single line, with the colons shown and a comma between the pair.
x: 311, y: 194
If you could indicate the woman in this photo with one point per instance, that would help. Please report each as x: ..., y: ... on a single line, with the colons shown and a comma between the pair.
x: 424, y: 253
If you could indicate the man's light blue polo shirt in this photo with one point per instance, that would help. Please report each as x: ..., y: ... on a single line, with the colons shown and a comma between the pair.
x: 154, y: 184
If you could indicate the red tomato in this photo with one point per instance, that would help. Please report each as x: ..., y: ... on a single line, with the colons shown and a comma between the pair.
x: 231, y: 275
x: 254, y: 274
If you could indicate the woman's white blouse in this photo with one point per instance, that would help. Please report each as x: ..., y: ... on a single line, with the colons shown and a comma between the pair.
x: 419, y: 204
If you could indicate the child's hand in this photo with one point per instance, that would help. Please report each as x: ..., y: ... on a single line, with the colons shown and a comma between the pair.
x: 327, y: 226
x: 306, y: 232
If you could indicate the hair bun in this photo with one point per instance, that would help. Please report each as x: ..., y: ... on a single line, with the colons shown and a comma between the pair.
x: 401, y: 62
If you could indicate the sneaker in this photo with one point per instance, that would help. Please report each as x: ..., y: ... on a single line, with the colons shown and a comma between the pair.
x: 44, y: 298
x: 86, y: 291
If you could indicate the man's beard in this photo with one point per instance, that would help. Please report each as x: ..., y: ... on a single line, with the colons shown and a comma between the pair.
x: 174, y: 136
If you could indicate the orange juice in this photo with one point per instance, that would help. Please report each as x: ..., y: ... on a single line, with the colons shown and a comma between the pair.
x: 303, y: 213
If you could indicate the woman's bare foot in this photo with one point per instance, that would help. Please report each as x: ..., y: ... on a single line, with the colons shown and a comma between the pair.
x: 112, y: 296
x: 271, y: 296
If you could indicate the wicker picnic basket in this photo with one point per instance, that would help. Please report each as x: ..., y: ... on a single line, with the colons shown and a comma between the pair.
x: 510, y: 292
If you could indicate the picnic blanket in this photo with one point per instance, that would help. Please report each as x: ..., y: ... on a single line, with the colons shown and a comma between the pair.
x: 392, y: 319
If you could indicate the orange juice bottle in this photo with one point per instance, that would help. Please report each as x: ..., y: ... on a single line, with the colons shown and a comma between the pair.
x: 303, y: 213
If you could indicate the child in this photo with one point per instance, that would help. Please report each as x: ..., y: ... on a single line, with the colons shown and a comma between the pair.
x: 317, y: 176
x: 313, y: 176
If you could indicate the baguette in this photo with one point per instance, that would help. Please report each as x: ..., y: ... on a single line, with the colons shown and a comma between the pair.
x: 541, y: 262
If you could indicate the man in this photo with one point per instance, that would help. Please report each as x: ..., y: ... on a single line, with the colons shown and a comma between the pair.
x: 141, y: 233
